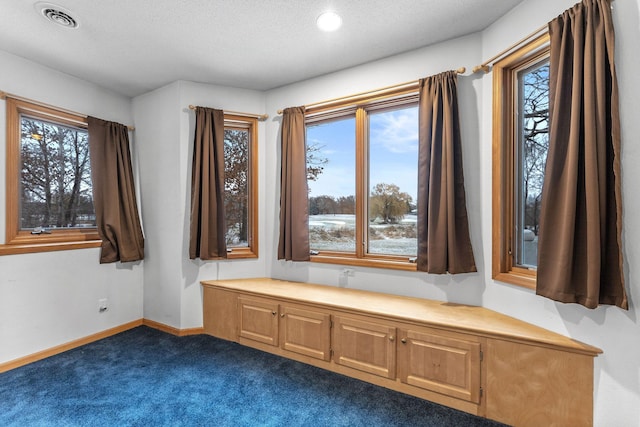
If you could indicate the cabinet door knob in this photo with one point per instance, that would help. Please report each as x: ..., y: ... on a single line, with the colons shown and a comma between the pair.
x: 274, y: 313
x: 403, y: 340
x: 282, y: 315
x: 391, y: 338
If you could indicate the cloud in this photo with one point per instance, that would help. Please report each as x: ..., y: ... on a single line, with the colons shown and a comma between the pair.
x: 396, y: 131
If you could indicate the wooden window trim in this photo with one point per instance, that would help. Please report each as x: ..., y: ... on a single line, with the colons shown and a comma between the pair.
x: 360, y: 107
x: 251, y: 124
x: 380, y: 261
x: 21, y: 242
x: 504, y: 137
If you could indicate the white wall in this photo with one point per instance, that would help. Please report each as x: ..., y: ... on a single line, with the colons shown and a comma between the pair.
x: 172, y: 291
x: 615, y: 331
x: 48, y: 299
x: 158, y: 141
x: 466, y: 51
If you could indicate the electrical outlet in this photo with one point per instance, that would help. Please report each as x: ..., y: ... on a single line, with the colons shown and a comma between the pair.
x: 103, y: 305
x: 348, y: 272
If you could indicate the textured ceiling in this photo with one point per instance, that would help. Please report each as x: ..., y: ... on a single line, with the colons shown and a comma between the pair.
x: 134, y: 46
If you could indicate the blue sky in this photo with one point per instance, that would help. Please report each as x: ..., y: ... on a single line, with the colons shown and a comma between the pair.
x: 393, y: 152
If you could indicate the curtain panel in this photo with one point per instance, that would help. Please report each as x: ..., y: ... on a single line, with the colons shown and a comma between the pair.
x: 444, y: 244
x: 579, y: 246
x: 293, y: 242
x: 208, y: 222
x: 114, y: 197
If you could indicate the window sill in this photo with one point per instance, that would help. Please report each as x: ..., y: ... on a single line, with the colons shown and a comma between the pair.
x: 524, y: 279
x: 236, y: 253
x: 390, y: 264
x: 241, y: 253
x: 29, y: 248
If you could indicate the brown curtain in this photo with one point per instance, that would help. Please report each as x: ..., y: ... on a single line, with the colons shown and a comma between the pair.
x: 114, y: 195
x: 294, y: 211
x: 443, y: 230
x: 208, y: 223
x: 579, y: 250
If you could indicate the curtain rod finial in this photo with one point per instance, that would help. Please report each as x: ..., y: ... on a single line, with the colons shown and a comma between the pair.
x: 461, y: 70
x: 482, y: 67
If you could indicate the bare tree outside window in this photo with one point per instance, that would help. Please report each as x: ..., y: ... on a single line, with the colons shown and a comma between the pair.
x: 532, y: 156
x: 331, y: 179
x: 236, y: 170
x: 315, y: 160
x: 55, y: 176
x: 241, y: 186
x: 388, y: 226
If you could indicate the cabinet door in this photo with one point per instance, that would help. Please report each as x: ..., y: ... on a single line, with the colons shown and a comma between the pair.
x: 258, y: 320
x: 439, y: 363
x: 305, y: 331
x: 366, y: 346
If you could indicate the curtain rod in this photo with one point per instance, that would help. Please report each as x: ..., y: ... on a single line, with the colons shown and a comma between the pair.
x: 4, y: 95
x: 260, y: 117
x: 381, y: 91
x: 485, y: 65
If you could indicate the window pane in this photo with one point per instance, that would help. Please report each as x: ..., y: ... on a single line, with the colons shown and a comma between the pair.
x: 532, y: 156
x: 393, y: 181
x: 55, y: 180
x: 331, y: 177
x: 236, y: 183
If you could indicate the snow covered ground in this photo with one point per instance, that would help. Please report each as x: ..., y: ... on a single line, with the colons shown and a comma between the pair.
x: 337, y: 233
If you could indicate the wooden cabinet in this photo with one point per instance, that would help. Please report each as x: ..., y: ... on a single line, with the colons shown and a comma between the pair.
x: 466, y: 357
x: 440, y: 363
x: 258, y: 320
x: 305, y: 332
x: 293, y: 328
x: 365, y: 345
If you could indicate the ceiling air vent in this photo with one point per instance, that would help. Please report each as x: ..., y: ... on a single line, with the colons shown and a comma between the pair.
x: 57, y: 15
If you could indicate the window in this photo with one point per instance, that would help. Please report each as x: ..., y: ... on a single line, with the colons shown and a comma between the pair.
x: 241, y: 190
x: 521, y: 141
x: 362, y: 171
x: 49, y: 194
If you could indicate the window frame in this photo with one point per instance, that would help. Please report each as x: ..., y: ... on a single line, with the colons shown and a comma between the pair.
x: 232, y: 121
x: 360, y: 106
x: 505, y: 139
x: 19, y: 241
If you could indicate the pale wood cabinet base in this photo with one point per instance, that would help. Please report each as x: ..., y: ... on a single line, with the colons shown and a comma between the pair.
x: 440, y: 363
x: 466, y: 357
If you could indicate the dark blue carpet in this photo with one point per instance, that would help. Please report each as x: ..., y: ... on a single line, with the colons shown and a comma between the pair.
x: 144, y: 377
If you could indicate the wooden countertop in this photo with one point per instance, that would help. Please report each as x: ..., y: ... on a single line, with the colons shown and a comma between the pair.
x: 438, y: 314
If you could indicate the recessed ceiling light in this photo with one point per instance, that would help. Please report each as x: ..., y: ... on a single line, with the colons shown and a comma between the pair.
x: 57, y: 14
x: 329, y: 21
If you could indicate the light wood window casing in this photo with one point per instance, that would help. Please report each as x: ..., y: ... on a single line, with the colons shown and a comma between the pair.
x: 248, y: 245
x: 360, y: 110
x: 505, y: 174
x: 19, y: 240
